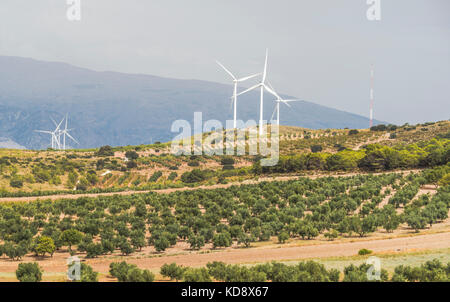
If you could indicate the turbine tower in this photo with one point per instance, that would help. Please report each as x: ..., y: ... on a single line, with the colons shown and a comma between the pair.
x: 262, y: 85
x: 371, y: 95
x: 235, y: 82
x: 66, y: 132
x: 57, y: 133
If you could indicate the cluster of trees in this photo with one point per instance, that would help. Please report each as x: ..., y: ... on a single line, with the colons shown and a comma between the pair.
x: 32, y: 272
x: 303, y: 208
x: 155, y: 176
x: 227, y: 162
x: 41, y: 172
x: 427, y: 211
x: 125, y: 272
x: 431, y: 271
x: 308, y: 271
x: 383, y: 127
x: 372, y: 158
x: 196, y: 175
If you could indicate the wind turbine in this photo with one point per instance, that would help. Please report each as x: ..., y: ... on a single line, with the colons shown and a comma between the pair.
x: 277, y: 106
x: 235, y: 82
x: 55, y: 134
x: 262, y: 85
x: 66, y: 132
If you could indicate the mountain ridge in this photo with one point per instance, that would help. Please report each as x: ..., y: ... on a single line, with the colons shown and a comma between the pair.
x: 114, y: 108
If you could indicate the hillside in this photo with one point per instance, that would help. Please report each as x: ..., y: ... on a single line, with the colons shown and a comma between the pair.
x: 110, y: 108
x: 383, y: 191
x: 147, y: 167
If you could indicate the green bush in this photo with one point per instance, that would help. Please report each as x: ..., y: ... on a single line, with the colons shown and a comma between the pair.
x: 105, y: 151
x: 130, y: 273
x: 16, y: 182
x: 363, y: 252
x: 29, y: 272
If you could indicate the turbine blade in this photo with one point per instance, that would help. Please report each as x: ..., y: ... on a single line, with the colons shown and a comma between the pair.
x: 265, y: 66
x: 59, y: 125
x: 248, y: 78
x: 272, y: 92
x: 286, y: 103
x: 229, y: 72
x: 273, y: 113
x: 270, y: 85
x: 247, y: 90
x: 43, y: 131
x: 71, y: 137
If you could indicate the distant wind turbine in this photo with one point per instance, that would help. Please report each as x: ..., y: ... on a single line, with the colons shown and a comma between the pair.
x: 262, y: 85
x: 235, y: 82
x: 65, y: 132
x: 277, y: 106
x: 55, y: 135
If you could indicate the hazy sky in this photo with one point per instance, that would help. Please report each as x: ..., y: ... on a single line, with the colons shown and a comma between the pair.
x: 319, y: 50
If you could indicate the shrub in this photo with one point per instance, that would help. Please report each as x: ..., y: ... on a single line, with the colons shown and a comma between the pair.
x: 379, y: 128
x: 227, y: 160
x: 105, y: 151
x: 228, y: 167
x: 194, y: 176
x: 125, y: 272
x: 316, y: 148
x: 132, y: 164
x: 16, y: 182
x: 172, y: 176
x: 29, y: 272
x: 83, y: 184
x: 173, y: 271
x: 131, y: 155
x: 155, y: 176
x: 87, y: 273
x: 196, y: 275
x: 283, y: 237
x: 222, y: 240
x: 363, y: 252
x: 193, y: 163
x: 44, y: 245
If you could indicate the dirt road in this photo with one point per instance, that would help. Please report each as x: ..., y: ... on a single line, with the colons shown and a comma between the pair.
x: 252, y: 255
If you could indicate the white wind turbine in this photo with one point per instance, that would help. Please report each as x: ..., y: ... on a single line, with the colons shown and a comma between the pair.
x: 65, y: 132
x: 277, y: 106
x: 262, y: 85
x: 235, y: 82
x: 55, y: 135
